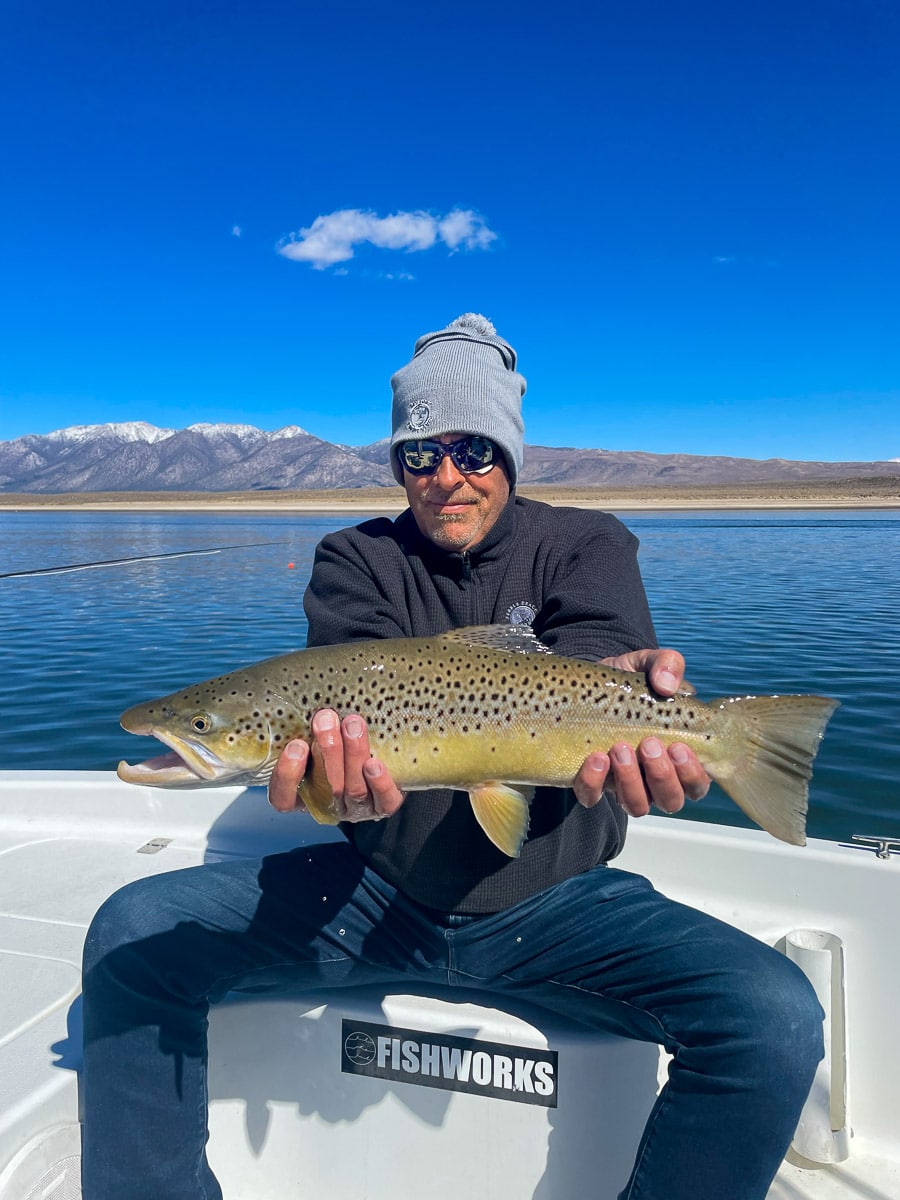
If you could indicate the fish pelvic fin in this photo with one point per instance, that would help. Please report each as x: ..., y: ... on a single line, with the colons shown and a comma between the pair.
x: 502, y: 811
x: 316, y: 793
x: 769, y: 777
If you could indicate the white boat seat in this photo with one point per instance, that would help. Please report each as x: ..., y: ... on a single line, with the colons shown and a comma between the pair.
x: 282, y: 1109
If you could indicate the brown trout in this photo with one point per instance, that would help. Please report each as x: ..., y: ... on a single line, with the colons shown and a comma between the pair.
x: 486, y: 710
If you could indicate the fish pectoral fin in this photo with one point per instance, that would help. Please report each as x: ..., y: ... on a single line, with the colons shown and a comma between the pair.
x: 502, y: 811
x: 316, y: 793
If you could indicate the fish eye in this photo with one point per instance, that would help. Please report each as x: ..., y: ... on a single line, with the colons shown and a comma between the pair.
x: 201, y: 723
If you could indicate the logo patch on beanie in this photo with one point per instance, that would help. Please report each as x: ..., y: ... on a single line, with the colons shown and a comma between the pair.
x: 521, y: 614
x: 418, y: 415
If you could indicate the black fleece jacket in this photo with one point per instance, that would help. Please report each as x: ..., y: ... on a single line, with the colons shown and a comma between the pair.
x: 573, y: 575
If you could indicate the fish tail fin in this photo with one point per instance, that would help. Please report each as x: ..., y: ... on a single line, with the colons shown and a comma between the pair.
x: 769, y: 778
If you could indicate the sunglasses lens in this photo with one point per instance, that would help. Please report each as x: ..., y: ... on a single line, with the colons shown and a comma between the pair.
x: 473, y: 454
x: 470, y: 454
x: 421, y: 458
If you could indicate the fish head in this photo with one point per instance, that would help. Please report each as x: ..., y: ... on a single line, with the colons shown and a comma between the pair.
x: 213, y: 740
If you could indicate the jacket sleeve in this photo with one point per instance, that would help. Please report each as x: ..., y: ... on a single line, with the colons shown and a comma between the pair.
x: 594, y: 603
x: 346, y: 599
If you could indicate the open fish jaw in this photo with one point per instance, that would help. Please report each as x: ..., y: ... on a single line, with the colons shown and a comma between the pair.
x: 164, y: 770
x: 184, y: 764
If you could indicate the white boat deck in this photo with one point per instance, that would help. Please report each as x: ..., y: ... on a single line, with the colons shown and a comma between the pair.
x: 286, y: 1120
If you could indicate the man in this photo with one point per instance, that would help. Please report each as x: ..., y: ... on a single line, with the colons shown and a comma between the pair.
x: 417, y: 893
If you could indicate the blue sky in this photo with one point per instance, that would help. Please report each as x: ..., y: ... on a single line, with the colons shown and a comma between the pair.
x: 684, y: 216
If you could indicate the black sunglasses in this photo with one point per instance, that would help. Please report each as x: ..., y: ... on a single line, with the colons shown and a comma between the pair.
x: 472, y: 455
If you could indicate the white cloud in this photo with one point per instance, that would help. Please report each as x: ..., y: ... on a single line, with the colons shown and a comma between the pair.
x: 332, y: 238
x: 235, y: 231
x: 463, y: 228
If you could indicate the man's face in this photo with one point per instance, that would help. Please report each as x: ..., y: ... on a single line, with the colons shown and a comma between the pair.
x: 453, y: 510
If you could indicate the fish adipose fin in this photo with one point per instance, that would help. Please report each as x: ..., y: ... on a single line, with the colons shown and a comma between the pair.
x: 518, y: 639
x: 502, y: 812
x: 779, y: 737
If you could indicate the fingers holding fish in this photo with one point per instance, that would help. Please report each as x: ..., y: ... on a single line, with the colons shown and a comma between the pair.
x: 591, y: 779
x: 386, y: 796
x: 694, y: 780
x: 636, y: 791
x: 648, y: 777
x: 663, y: 667
x: 330, y: 749
x: 361, y: 786
x: 286, y: 777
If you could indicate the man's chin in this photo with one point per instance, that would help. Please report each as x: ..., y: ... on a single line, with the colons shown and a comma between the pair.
x: 451, y: 531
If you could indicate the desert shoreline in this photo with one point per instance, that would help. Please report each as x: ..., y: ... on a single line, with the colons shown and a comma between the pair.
x: 873, y: 493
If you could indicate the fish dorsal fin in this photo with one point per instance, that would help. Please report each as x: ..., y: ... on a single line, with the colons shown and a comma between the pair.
x: 518, y: 639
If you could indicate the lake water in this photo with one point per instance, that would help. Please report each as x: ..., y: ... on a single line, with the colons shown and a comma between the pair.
x: 758, y: 601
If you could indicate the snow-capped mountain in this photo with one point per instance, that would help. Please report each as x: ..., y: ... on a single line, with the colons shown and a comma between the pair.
x: 135, y: 456
x: 126, y: 431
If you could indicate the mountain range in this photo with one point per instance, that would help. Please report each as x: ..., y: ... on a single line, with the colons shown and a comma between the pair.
x: 136, y: 456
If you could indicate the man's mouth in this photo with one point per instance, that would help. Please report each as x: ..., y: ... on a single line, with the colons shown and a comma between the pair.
x: 451, y: 503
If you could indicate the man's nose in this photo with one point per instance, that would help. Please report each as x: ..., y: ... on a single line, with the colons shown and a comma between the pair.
x: 448, y: 474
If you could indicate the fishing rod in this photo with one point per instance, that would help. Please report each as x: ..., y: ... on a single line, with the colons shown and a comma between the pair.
x: 135, y: 558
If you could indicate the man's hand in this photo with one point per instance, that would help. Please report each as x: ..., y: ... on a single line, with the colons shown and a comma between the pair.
x: 650, y: 774
x: 363, y: 789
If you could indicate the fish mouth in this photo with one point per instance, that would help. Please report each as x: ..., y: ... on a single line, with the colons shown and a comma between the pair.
x: 186, y: 763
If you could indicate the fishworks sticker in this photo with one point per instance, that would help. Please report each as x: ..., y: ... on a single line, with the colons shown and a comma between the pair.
x: 456, y: 1064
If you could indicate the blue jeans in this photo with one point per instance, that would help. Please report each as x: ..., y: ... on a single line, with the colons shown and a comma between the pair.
x: 603, y: 948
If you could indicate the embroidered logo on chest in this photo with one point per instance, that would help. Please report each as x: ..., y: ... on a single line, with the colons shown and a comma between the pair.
x: 521, y: 614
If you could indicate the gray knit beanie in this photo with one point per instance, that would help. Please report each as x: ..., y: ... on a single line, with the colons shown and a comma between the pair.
x: 462, y: 379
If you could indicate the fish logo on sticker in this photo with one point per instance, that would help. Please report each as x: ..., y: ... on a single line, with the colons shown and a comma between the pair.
x: 360, y: 1049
